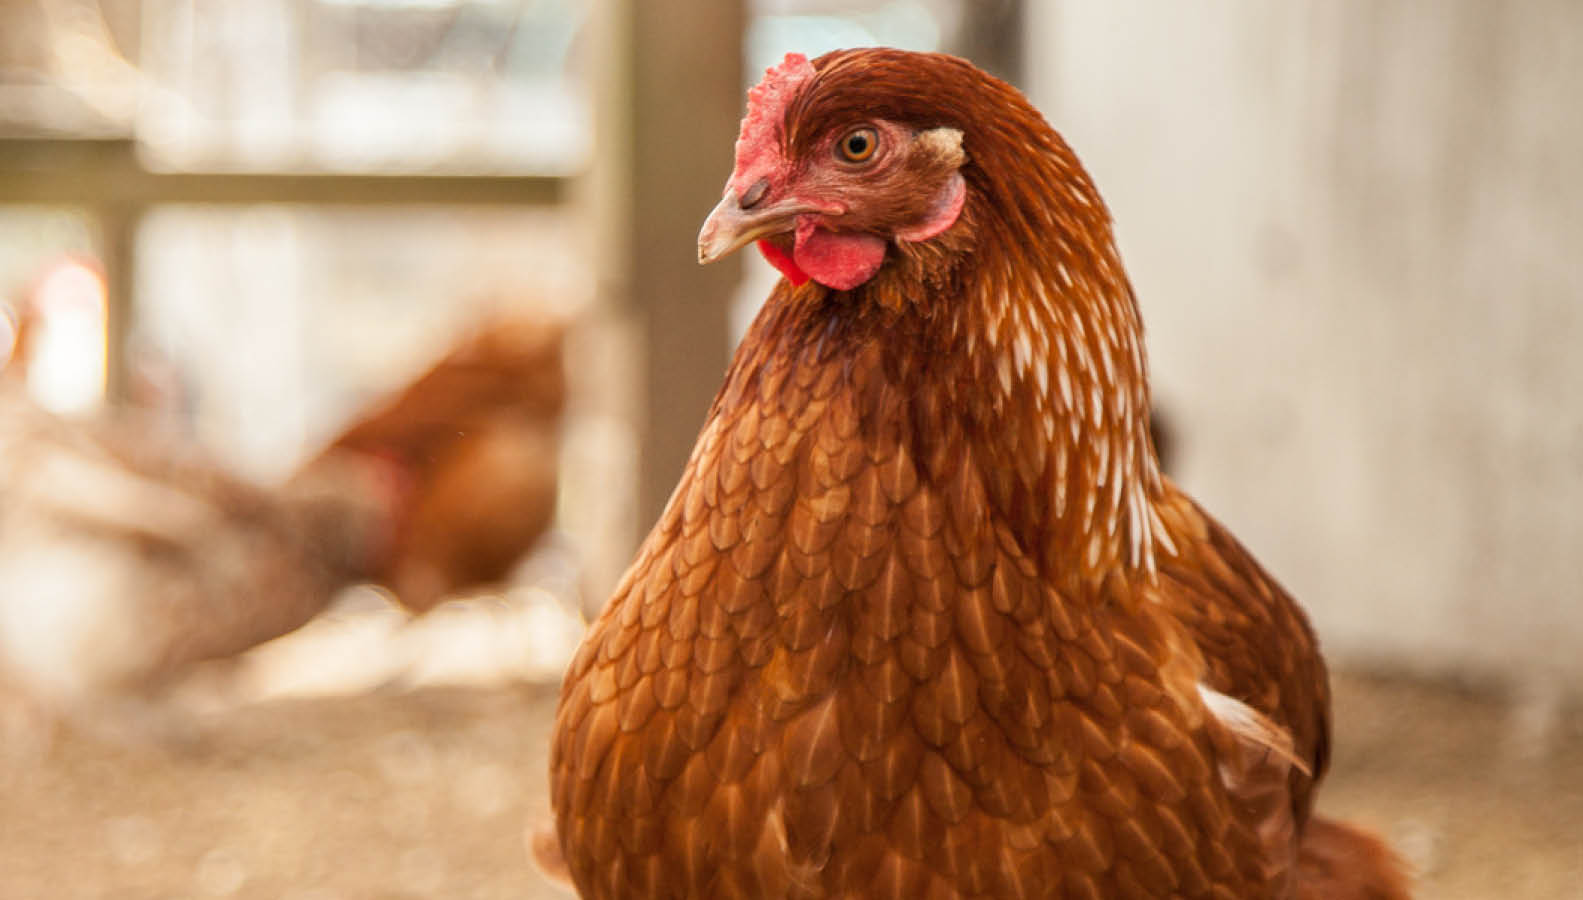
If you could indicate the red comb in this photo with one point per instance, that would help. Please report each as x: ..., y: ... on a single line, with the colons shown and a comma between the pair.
x: 758, y: 143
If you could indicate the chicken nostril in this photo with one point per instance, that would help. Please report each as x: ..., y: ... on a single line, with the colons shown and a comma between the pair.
x: 754, y: 194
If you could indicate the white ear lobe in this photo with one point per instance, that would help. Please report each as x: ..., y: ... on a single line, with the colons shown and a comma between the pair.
x: 943, y: 142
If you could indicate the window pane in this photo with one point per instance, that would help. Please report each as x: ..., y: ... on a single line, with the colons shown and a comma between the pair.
x: 336, y: 85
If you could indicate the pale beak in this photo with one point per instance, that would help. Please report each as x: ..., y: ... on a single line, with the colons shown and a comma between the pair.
x: 735, y: 223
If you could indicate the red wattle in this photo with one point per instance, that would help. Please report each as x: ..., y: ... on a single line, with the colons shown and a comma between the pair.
x: 780, y: 260
x: 838, y: 260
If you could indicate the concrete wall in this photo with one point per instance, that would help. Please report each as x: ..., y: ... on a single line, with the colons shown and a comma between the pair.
x: 1356, y: 229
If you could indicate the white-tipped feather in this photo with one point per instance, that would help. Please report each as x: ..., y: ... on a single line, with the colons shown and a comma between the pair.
x: 1251, y: 727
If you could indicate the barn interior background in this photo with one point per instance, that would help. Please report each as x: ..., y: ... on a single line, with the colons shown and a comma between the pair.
x: 1352, y: 227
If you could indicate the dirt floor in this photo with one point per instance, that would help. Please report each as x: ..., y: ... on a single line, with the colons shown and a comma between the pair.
x: 425, y: 795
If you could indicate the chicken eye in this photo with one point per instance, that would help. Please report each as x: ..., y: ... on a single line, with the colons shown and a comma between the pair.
x: 858, y: 145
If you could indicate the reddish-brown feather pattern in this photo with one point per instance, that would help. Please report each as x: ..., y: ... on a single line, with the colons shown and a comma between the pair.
x: 922, y: 619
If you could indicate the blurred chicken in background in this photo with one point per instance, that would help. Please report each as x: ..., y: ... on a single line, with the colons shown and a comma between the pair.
x: 472, y: 448
x: 127, y: 556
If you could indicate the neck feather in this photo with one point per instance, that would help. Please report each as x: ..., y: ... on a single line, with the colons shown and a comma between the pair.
x: 1015, y: 339
x: 1053, y: 335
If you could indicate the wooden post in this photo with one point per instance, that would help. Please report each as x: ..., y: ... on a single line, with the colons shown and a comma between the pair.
x: 992, y: 35
x: 117, y: 252
x: 668, y: 123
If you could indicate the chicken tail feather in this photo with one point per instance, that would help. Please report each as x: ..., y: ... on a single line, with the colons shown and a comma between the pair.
x: 1343, y: 862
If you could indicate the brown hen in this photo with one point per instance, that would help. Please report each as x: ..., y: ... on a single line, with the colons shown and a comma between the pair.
x: 473, y: 444
x: 922, y: 618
